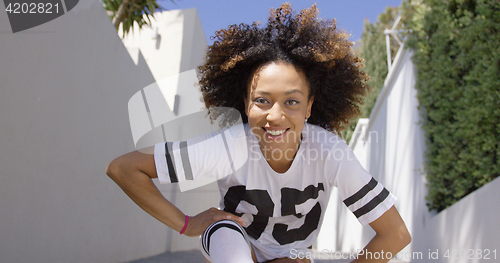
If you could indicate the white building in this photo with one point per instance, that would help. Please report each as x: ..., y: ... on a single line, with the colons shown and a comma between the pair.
x: 173, y: 47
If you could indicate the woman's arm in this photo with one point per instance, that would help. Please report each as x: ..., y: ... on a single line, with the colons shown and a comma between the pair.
x: 391, y: 237
x: 134, y: 171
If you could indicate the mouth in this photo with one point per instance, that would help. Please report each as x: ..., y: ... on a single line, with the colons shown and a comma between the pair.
x: 274, y: 133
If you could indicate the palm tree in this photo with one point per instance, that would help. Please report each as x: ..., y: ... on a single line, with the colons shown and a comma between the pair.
x: 126, y: 12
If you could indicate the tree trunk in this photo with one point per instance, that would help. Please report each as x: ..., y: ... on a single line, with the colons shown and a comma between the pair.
x: 121, y: 13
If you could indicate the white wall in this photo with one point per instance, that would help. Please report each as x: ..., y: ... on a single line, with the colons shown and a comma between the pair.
x: 390, y: 147
x: 64, y: 89
x: 179, y: 43
x: 470, y: 227
x: 173, y: 55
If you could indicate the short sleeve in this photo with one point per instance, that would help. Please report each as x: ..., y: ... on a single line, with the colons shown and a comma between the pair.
x: 366, y: 198
x: 213, y: 155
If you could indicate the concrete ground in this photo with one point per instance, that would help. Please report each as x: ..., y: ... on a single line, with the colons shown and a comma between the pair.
x: 196, y: 257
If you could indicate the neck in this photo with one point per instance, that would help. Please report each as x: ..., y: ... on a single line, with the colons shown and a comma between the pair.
x: 280, y: 167
x: 280, y: 160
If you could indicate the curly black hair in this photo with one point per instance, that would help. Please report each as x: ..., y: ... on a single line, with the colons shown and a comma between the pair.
x: 313, y: 45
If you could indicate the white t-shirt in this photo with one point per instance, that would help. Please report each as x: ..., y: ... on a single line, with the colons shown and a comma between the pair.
x: 282, y: 211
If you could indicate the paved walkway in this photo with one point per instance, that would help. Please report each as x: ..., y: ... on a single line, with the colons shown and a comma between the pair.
x: 196, y: 257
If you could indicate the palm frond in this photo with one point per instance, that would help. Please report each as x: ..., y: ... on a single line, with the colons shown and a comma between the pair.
x: 128, y: 12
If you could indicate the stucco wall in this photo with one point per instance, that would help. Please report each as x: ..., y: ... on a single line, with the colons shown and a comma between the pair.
x: 468, y: 230
x: 64, y: 89
x: 173, y: 48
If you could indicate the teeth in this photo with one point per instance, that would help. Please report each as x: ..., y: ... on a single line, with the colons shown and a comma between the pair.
x: 275, y: 133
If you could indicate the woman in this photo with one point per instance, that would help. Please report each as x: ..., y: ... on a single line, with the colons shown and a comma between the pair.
x: 296, y: 83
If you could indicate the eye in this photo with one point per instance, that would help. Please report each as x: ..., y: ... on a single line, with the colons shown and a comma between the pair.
x: 292, y: 102
x: 260, y: 101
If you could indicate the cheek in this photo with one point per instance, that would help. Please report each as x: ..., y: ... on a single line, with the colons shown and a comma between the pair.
x: 252, y: 114
x: 299, y: 119
x: 297, y: 114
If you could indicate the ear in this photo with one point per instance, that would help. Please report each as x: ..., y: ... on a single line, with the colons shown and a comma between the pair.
x: 309, y: 107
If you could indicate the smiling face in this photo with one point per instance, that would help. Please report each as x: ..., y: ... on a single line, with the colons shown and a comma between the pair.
x: 277, y: 105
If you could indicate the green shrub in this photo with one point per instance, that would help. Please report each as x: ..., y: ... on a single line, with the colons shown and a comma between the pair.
x: 457, y: 56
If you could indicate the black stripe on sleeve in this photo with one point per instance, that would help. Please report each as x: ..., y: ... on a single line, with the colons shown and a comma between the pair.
x: 170, y: 164
x: 188, y: 173
x: 361, y: 193
x: 372, y: 204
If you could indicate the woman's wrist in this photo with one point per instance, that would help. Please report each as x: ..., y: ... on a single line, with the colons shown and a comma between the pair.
x: 186, y: 222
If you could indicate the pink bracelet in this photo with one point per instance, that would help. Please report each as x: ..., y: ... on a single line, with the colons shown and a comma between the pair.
x: 185, y: 225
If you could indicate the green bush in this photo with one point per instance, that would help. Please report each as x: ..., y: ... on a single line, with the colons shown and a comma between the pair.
x: 457, y: 56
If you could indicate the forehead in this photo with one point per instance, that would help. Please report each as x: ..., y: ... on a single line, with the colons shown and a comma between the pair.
x: 278, y: 77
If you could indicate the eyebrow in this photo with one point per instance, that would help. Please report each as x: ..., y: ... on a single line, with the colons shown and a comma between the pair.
x: 286, y: 93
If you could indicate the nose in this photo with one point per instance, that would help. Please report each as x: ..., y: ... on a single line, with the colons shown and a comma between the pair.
x: 275, y: 114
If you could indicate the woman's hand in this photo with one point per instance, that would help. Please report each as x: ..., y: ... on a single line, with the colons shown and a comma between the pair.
x: 199, y: 223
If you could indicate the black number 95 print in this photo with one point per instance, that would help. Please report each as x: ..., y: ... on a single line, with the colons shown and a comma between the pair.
x: 33, y: 8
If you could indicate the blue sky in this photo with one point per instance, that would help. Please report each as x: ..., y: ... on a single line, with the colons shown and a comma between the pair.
x: 217, y: 14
